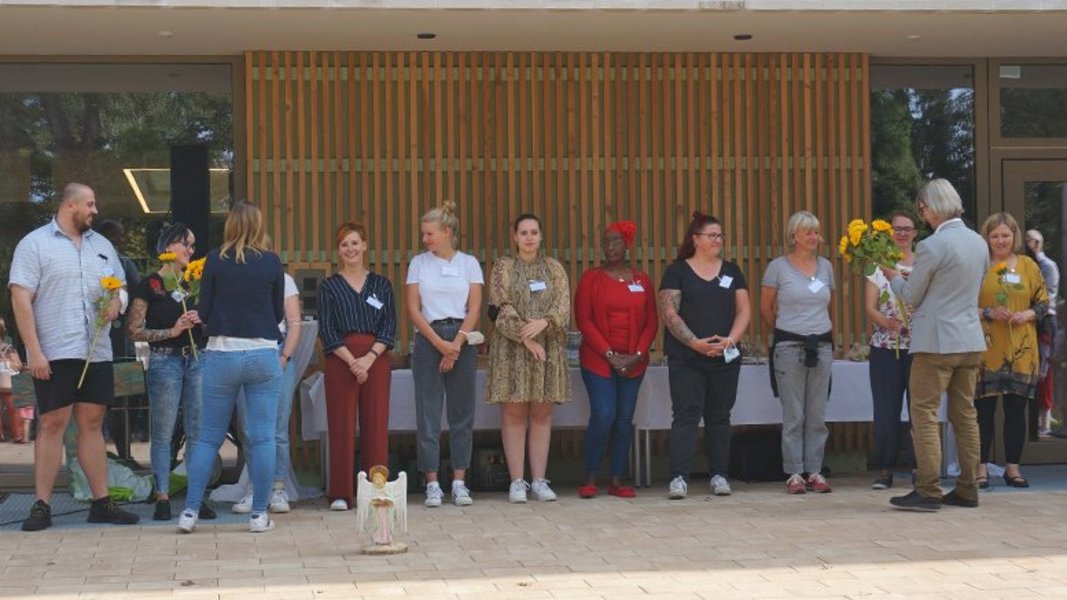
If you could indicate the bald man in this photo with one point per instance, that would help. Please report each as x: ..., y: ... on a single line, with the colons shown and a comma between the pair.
x: 55, y: 282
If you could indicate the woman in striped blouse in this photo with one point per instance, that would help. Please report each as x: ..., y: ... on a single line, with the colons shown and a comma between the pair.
x: 357, y: 316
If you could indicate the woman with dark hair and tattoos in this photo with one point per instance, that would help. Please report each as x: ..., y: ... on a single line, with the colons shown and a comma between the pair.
x: 705, y: 308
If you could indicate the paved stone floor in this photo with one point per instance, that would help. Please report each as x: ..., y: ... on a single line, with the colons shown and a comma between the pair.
x: 758, y: 543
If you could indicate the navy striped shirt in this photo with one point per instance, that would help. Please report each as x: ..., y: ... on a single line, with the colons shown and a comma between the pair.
x: 343, y: 310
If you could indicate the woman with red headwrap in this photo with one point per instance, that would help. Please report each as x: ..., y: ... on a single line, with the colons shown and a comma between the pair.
x: 615, y: 309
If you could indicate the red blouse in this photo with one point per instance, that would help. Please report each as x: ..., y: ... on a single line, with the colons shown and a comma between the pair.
x: 612, y: 316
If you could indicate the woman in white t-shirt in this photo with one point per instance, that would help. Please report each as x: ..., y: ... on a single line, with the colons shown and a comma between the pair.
x: 444, y: 298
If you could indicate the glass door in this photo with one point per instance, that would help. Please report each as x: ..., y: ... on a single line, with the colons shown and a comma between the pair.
x: 1034, y: 191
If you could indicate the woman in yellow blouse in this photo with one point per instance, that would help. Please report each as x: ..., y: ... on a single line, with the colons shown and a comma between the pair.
x: 1012, y: 300
x: 528, y: 372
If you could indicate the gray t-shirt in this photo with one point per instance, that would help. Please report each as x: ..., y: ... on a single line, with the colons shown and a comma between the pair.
x: 803, y: 302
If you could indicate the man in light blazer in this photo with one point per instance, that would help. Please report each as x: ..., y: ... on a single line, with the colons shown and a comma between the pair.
x: 946, y: 345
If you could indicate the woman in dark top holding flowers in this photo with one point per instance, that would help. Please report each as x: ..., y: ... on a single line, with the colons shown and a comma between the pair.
x: 615, y: 310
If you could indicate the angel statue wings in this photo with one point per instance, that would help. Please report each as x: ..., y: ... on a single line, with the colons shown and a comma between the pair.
x: 382, y: 507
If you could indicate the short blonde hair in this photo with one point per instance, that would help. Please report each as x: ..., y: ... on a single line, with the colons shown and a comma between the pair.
x: 445, y: 217
x: 800, y: 220
x: 941, y: 199
x: 1002, y: 218
x: 243, y: 231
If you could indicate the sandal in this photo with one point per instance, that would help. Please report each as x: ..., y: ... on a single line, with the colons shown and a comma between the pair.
x: 982, y: 481
x: 1017, y: 481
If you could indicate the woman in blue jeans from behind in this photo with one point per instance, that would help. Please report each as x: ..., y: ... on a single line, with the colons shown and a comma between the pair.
x: 615, y: 309
x: 241, y: 304
x: 175, y: 337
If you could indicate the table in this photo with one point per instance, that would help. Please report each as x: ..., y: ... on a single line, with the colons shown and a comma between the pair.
x: 850, y: 401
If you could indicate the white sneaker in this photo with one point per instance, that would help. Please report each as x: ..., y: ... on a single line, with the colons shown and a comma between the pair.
x: 542, y: 491
x: 720, y: 486
x: 187, y: 521
x: 433, y: 494
x: 339, y: 504
x: 279, y: 501
x: 677, y: 489
x: 517, y: 493
x: 461, y: 495
x: 244, y: 506
x: 260, y: 523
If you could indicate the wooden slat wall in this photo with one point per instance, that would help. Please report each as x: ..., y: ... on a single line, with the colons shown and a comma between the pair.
x: 582, y: 139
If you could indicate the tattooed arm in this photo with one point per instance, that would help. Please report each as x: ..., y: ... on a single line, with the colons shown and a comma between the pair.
x: 136, y: 322
x: 670, y: 302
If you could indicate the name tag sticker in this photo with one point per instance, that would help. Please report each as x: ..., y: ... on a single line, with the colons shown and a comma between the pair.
x: 636, y: 288
x: 179, y: 295
x: 816, y: 285
x: 1012, y: 278
x: 725, y: 281
x: 449, y: 271
x: 375, y: 302
x: 537, y: 286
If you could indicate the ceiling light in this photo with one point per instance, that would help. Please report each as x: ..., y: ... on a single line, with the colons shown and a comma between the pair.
x: 743, y: 37
x: 426, y: 36
x: 914, y: 37
x: 165, y: 34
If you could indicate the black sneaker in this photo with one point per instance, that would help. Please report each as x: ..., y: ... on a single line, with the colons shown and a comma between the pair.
x: 916, y: 501
x: 104, y: 510
x: 207, y: 513
x: 884, y: 481
x: 954, y: 499
x: 40, y: 517
x: 162, y: 512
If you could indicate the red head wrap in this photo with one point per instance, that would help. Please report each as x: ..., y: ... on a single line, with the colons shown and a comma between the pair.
x: 626, y: 229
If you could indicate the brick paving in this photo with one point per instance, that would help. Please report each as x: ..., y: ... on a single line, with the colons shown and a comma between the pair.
x: 758, y: 543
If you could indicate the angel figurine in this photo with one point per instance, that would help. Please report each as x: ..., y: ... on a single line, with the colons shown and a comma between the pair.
x: 388, y: 501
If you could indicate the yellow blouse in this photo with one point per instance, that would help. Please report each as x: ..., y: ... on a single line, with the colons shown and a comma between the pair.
x: 1009, y: 364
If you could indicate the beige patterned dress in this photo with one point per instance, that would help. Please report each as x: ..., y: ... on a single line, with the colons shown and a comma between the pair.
x: 514, y: 374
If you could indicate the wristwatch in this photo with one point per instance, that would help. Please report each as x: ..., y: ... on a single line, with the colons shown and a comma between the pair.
x: 987, y: 313
x: 609, y: 354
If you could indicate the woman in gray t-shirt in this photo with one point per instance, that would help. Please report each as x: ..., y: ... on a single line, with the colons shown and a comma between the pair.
x: 797, y: 292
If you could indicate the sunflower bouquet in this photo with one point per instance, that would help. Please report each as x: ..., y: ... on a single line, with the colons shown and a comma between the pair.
x: 1007, y: 280
x: 183, y: 286
x: 870, y: 247
x: 109, y: 289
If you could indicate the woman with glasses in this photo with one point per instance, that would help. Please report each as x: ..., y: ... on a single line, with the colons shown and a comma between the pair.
x: 890, y: 362
x: 798, y: 291
x: 173, y: 378
x: 705, y: 309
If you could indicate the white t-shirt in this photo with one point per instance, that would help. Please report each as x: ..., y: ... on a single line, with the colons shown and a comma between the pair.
x: 290, y: 290
x: 444, y: 285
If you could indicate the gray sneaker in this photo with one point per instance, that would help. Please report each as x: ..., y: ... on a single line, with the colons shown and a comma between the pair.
x: 677, y: 489
x: 517, y: 493
x: 433, y: 495
x: 542, y: 491
x: 720, y: 486
x: 461, y: 495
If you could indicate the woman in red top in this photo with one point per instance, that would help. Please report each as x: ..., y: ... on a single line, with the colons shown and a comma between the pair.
x: 615, y: 308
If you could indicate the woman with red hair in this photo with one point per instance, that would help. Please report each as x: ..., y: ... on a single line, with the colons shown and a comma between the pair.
x: 615, y: 309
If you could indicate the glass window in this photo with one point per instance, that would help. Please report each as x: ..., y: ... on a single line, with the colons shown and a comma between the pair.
x: 922, y: 127
x: 1032, y: 101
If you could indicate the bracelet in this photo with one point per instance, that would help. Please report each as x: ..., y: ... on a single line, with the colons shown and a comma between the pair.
x: 987, y: 314
x: 286, y: 356
x: 609, y: 354
x: 374, y: 352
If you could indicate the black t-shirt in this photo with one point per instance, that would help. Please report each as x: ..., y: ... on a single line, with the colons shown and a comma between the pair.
x: 163, y: 310
x: 707, y: 307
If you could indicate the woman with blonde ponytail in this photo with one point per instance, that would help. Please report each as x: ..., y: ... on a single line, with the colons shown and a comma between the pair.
x: 444, y: 302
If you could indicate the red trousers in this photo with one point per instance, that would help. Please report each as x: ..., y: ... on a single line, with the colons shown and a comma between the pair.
x: 346, y: 401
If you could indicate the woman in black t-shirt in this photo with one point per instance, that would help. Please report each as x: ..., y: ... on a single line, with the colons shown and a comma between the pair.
x: 173, y: 377
x: 705, y: 308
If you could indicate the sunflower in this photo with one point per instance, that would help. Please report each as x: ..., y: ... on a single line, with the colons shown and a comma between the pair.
x: 842, y: 247
x: 881, y: 225
x: 110, y: 283
x: 168, y: 257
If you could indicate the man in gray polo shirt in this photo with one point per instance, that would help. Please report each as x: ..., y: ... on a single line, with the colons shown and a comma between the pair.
x: 55, y: 280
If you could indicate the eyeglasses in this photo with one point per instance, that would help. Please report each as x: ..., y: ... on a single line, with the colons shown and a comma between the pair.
x: 712, y: 236
x: 903, y: 229
x: 189, y: 245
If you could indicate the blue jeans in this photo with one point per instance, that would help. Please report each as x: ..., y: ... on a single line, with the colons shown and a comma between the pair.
x: 173, y: 382
x: 281, y: 432
x: 612, y: 401
x: 226, y: 374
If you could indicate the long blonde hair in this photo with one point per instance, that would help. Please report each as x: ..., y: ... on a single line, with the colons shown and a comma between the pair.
x: 243, y: 231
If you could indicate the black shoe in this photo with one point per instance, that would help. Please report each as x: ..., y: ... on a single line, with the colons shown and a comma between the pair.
x: 104, y: 510
x: 954, y: 499
x: 916, y: 501
x: 40, y: 517
x: 884, y: 481
x: 207, y: 513
x: 1018, y: 481
x: 162, y: 512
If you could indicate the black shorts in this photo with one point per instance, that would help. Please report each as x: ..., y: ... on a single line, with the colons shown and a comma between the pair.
x: 62, y: 390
